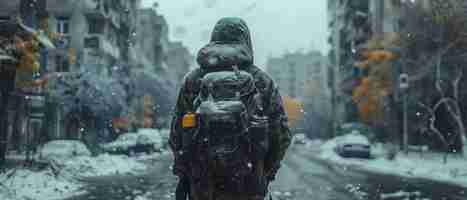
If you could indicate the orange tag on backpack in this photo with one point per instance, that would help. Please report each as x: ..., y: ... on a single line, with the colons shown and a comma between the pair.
x: 189, y: 120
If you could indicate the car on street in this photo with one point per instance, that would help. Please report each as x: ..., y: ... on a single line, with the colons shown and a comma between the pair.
x: 358, y: 127
x: 144, y: 141
x: 152, y: 137
x: 354, y: 145
x: 299, y: 138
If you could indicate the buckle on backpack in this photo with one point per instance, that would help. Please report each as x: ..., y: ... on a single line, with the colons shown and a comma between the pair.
x: 189, y: 120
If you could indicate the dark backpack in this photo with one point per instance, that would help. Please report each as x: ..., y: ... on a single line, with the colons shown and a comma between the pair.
x: 232, y: 139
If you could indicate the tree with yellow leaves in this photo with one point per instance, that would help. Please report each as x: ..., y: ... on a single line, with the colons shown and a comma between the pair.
x: 377, y: 84
x: 29, y: 58
x: 148, y: 111
x: 294, y: 109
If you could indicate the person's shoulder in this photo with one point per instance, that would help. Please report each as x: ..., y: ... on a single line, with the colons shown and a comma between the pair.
x: 192, y: 75
x: 263, y: 80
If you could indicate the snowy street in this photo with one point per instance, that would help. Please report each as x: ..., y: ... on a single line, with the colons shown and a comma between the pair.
x: 345, y: 100
x: 302, y: 177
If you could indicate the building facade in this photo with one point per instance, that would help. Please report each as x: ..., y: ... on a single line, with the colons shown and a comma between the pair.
x: 304, y: 77
x: 179, y: 61
x: 91, y: 35
x: 154, y: 52
x: 293, y: 71
x: 151, y: 43
x: 96, y: 33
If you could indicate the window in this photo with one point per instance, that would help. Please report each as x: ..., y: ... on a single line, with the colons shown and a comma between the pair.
x: 3, y: 19
x: 63, y: 25
x: 61, y: 64
x: 95, y: 26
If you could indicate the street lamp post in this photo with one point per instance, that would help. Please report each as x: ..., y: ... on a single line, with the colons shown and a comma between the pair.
x: 404, y: 85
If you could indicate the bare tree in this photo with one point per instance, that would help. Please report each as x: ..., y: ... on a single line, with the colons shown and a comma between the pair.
x: 435, y: 41
x: 452, y: 105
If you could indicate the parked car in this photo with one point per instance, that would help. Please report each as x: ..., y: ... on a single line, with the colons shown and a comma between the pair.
x: 62, y: 149
x: 153, y: 137
x: 354, y: 145
x: 145, y: 141
x: 299, y: 138
x: 361, y: 128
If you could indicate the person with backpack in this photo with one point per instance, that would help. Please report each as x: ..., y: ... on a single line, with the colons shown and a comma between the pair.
x: 229, y: 131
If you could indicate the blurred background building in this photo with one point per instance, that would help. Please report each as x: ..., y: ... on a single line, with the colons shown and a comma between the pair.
x: 302, y: 78
x: 101, y: 37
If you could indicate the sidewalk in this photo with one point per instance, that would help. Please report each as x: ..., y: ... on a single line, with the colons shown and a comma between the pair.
x: 23, y: 183
x: 62, y: 180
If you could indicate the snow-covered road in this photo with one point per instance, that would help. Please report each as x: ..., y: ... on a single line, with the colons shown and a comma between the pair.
x: 305, y: 176
x: 302, y: 177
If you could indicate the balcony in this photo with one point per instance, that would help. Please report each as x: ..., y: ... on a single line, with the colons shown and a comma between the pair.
x: 103, y: 10
x: 99, y: 42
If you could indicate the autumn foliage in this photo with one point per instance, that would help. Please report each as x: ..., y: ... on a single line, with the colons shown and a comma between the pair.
x: 121, y: 124
x: 26, y: 48
x: 377, y: 84
x: 29, y: 58
x: 148, y: 111
x: 293, y: 108
x: 374, y: 56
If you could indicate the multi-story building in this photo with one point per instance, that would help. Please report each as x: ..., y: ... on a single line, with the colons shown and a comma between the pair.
x: 97, y: 32
x: 303, y: 76
x: 293, y: 71
x: 152, y: 42
x: 179, y: 61
x: 349, y: 27
x: 93, y: 35
x: 154, y: 52
x: 155, y: 57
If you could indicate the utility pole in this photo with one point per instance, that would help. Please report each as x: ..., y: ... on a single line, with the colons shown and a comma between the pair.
x: 405, y: 127
x: 404, y: 86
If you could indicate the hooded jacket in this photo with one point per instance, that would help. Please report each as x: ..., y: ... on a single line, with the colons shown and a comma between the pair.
x: 231, y: 45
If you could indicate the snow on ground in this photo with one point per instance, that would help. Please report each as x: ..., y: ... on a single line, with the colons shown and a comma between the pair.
x: 152, y: 157
x: 139, y: 195
x: 402, y: 194
x: 313, y: 143
x: 24, y: 184
x: 67, y: 160
x: 64, y: 148
x: 102, y: 165
x: 429, y: 166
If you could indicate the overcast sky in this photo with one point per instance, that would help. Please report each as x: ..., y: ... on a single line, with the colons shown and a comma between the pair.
x: 277, y: 26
